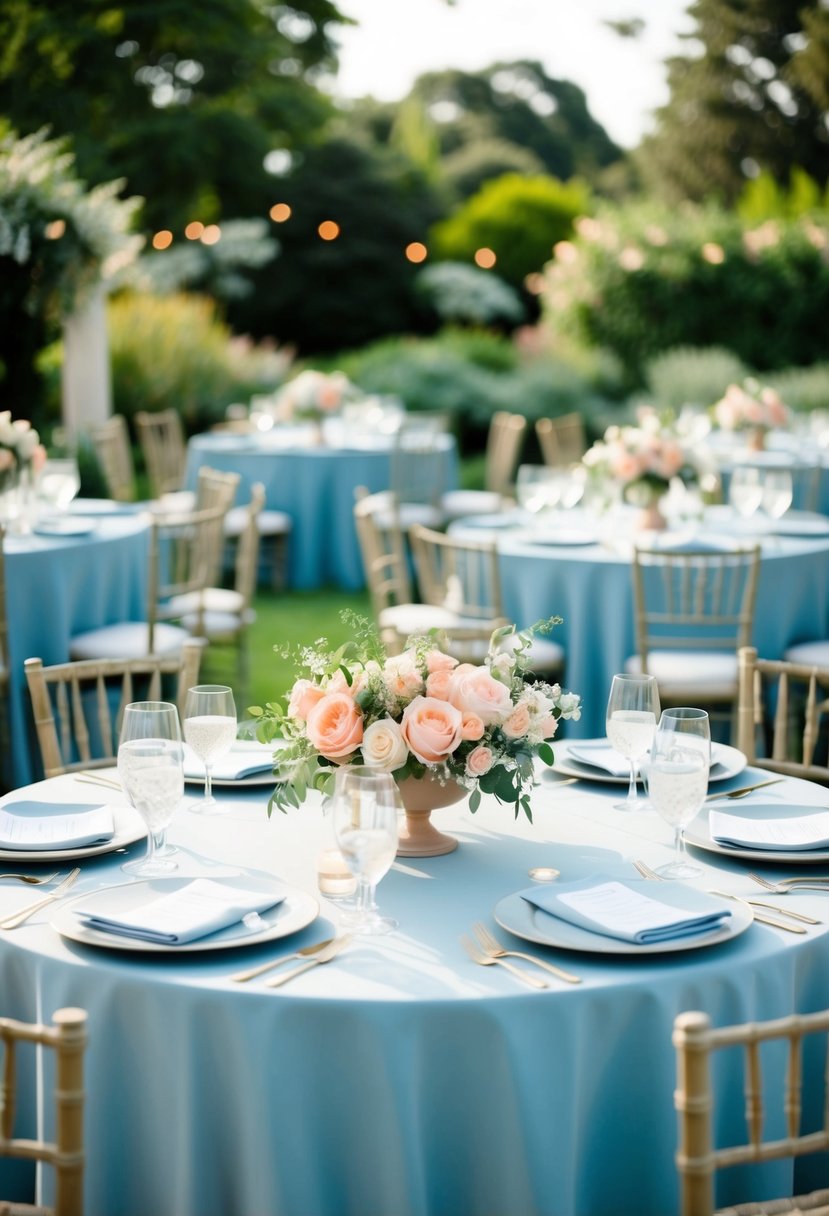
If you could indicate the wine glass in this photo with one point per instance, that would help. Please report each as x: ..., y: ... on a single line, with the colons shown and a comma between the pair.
x: 210, y: 730
x: 745, y: 490
x: 536, y: 488
x: 632, y: 712
x: 366, y: 807
x: 678, y: 778
x: 59, y: 482
x: 778, y: 492
x: 151, y: 771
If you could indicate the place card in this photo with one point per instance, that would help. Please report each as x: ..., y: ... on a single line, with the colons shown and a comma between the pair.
x: 802, y: 828
x: 199, y: 908
x: 34, y: 826
x: 612, y: 908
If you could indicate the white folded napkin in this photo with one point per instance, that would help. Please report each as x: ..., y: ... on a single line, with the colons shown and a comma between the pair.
x: 801, y: 828
x: 193, y: 911
x: 600, y: 755
x: 37, y: 826
x: 614, y: 909
x: 243, y: 760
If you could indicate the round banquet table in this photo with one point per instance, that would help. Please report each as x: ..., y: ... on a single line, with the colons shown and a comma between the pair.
x: 402, y: 1078
x: 315, y: 485
x: 586, y: 579
x: 57, y: 586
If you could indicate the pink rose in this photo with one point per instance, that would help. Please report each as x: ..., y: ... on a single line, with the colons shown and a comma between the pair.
x: 431, y: 728
x: 436, y: 660
x: 547, y: 727
x: 437, y: 685
x: 476, y: 691
x: 335, y: 726
x: 479, y: 761
x: 518, y: 723
x: 304, y: 696
x: 472, y: 727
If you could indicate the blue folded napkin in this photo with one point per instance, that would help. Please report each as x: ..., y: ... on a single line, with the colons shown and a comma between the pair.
x: 612, y: 908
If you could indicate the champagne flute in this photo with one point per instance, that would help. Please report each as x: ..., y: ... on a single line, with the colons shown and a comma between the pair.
x: 210, y: 730
x: 151, y: 771
x: 632, y: 712
x: 678, y: 778
x: 366, y: 807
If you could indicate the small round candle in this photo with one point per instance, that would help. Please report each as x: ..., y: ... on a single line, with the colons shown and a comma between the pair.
x: 333, y: 875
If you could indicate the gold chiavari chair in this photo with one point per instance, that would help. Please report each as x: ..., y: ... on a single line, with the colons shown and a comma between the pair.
x: 563, y: 440
x: 111, y: 442
x: 503, y: 449
x: 781, y: 715
x: 67, y: 1037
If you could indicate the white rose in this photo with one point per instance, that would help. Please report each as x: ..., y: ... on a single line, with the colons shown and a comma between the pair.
x: 7, y: 432
x: 383, y: 746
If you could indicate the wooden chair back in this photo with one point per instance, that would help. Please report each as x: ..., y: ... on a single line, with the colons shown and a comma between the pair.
x: 246, y: 566
x: 78, y: 706
x: 67, y: 1037
x: 697, y: 1158
x: 111, y: 442
x: 383, y: 549
x: 694, y: 599
x: 503, y: 450
x: 215, y: 488
x: 563, y: 440
x: 416, y: 468
x: 185, y: 556
x: 781, y: 710
x: 162, y: 442
x: 463, y: 577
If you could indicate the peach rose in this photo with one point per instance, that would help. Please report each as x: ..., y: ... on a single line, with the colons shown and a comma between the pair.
x: 436, y: 660
x: 437, y: 685
x: 477, y: 692
x: 472, y: 727
x: 304, y: 696
x: 384, y: 747
x: 431, y: 729
x: 518, y: 723
x: 479, y: 761
x: 335, y: 726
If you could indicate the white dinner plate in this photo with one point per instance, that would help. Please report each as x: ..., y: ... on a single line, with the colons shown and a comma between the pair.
x: 697, y: 833
x: 129, y: 827
x: 77, y: 526
x: 103, y: 506
x: 242, y: 748
x: 800, y: 524
x: 296, y: 910
x: 532, y: 924
x: 234, y: 783
x: 726, y: 762
x: 564, y: 537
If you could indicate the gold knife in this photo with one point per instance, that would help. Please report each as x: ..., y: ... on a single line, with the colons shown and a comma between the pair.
x: 744, y: 789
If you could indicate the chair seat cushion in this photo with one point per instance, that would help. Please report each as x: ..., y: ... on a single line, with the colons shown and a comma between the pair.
x: 811, y: 654
x: 127, y: 640
x: 703, y: 674
x: 456, y: 503
x: 212, y: 599
x: 268, y: 523
x: 174, y: 502
x: 406, y: 619
x: 220, y: 624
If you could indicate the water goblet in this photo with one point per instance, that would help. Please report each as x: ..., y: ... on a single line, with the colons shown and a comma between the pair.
x: 58, y: 482
x: 745, y: 490
x: 678, y: 778
x: 210, y: 730
x: 535, y: 488
x: 632, y: 713
x: 366, y: 806
x: 777, y: 492
x: 151, y: 771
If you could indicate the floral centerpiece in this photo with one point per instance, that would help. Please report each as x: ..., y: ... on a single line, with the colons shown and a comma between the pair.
x: 642, y: 459
x: 20, y: 446
x: 420, y: 714
x: 312, y: 396
x: 750, y: 406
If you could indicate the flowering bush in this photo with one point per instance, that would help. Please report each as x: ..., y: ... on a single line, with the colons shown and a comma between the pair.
x: 313, y: 395
x: 750, y: 406
x: 641, y: 459
x: 416, y: 713
x: 20, y: 445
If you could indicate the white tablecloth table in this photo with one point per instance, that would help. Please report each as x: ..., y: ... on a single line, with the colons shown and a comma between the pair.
x: 402, y: 1078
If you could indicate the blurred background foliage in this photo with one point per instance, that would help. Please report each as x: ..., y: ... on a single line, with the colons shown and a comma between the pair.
x: 662, y: 271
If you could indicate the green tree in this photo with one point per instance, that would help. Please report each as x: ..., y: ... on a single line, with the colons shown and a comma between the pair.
x: 519, y: 218
x: 754, y: 100
x: 182, y: 101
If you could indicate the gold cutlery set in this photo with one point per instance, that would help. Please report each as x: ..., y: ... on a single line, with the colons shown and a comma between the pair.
x: 19, y: 918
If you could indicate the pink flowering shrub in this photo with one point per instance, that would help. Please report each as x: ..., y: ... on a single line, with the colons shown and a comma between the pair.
x: 750, y: 406
x: 415, y: 713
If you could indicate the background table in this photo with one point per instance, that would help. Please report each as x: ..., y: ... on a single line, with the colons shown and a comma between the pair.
x: 315, y: 485
x: 402, y: 1078
x: 57, y: 587
x: 590, y: 586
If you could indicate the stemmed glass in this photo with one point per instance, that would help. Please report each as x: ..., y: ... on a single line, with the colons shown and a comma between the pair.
x: 745, y: 490
x: 366, y: 807
x: 678, y: 778
x: 536, y: 488
x: 59, y: 482
x: 151, y: 771
x: 632, y: 713
x: 210, y: 730
x: 777, y: 492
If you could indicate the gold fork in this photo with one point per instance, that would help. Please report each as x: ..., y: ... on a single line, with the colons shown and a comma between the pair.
x: 36, y: 882
x: 759, y: 916
x: 242, y: 977
x: 487, y: 960
x: 18, y: 918
x: 742, y: 791
x: 323, y: 956
x: 785, y: 886
x: 491, y: 945
x: 646, y: 872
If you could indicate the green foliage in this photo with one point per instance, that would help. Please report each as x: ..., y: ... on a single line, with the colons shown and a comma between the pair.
x: 803, y: 388
x: 641, y: 279
x: 519, y: 218
x: 692, y: 375
x: 173, y: 351
x: 765, y: 199
x: 217, y: 270
x: 464, y: 294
